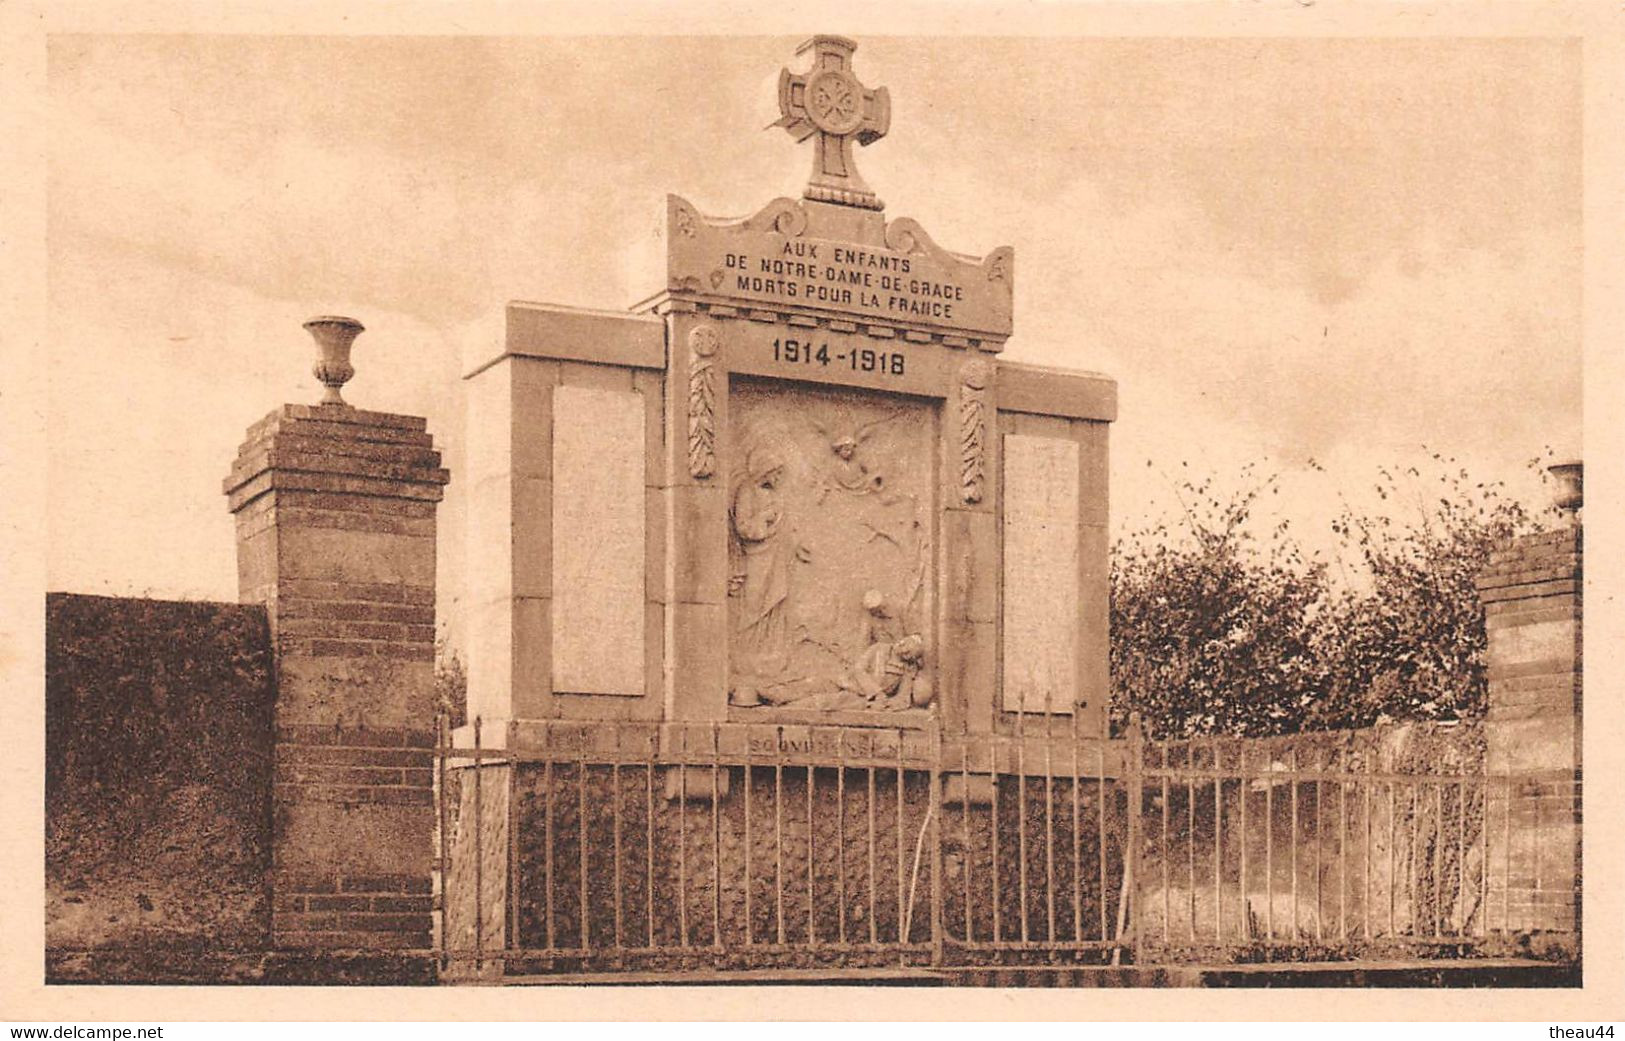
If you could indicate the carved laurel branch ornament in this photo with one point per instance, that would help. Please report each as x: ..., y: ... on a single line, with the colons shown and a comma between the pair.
x: 703, y: 342
x: 973, y: 380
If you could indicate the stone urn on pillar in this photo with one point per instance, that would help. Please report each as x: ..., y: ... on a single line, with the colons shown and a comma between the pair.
x: 333, y: 335
x: 1570, y: 493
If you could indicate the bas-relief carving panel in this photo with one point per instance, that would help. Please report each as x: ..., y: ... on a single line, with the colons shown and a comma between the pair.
x: 830, y: 593
x: 598, y: 541
x: 1040, y: 573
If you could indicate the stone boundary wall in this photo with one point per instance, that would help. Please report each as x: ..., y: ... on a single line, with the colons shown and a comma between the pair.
x: 158, y: 773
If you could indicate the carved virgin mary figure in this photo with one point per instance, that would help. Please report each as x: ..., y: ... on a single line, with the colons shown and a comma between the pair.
x: 760, y: 583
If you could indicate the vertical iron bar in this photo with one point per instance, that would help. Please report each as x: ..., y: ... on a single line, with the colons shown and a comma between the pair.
x: 1393, y: 843
x: 1427, y: 856
x: 716, y: 836
x: 1241, y: 793
x: 547, y: 830
x: 750, y: 921
x: 442, y: 742
x: 1269, y: 843
x: 1365, y: 875
x: 1437, y: 889
x: 615, y: 805
x: 1537, y: 796
x: 1164, y: 853
x: 1484, y: 859
x: 873, y: 763
x: 840, y: 834
x: 682, y: 836
x: 511, y: 932
x: 1297, y: 934
x: 1411, y: 867
x: 1218, y: 831
x: 812, y: 899
x: 581, y: 839
x: 653, y: 752
x: 1131, y: 857
x: 901, y: 872
x: 934, y: 802
x: 1320, y: 827
x: 1021, y: 814
x: 1506, y: 888
x: 479, y: 854
x: 1100, y: 824
x: 968, y: 856
x: 1418, y: 859
x: 993, y: 779
x: 1049, y: 831
x: 778, y: 847
x: 1077, y: 837
x: 1461, y: 851
x: 1342, y: 854
x: 1190, y: 835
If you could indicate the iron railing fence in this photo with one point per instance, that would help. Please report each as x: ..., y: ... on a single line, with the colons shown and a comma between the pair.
x: 1339, y: 845
x: 632, y: 846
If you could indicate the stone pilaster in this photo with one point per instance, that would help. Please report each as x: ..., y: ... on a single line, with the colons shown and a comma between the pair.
x: 1531, y: 593
x: 335, y: 512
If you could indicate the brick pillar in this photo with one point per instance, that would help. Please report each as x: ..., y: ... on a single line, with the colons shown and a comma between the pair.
x: 335, y: 513
x: 1532, y: 607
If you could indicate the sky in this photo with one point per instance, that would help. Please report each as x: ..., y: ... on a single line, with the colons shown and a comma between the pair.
x: 1283, y: 250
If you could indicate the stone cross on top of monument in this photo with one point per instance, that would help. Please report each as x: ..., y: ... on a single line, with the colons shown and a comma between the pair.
x: 828, y: 102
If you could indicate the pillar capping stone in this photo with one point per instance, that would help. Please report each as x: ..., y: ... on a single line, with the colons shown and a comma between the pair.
x: 1546, y: 563
x: 336, y: 448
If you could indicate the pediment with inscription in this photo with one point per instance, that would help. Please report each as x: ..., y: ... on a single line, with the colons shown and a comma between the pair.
x: 820, y: 258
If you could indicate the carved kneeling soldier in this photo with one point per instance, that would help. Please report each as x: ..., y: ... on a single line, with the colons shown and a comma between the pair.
x: 887, y: 675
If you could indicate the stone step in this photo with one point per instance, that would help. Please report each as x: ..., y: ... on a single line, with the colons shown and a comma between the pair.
x: 835, y: 976
x: 1480, y: 972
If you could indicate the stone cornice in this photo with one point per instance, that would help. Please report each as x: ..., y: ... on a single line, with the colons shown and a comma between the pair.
x: 813, y: 318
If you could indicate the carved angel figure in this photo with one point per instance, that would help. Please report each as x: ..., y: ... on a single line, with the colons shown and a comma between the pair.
x: 848, y: 471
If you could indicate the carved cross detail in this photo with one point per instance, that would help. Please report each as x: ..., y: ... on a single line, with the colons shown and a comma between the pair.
x: 828, y: 103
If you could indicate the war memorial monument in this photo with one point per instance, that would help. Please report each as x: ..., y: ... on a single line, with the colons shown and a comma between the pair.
x: 785, y: 609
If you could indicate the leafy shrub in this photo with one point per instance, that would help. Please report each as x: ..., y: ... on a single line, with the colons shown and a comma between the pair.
x: 1218, y: 628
